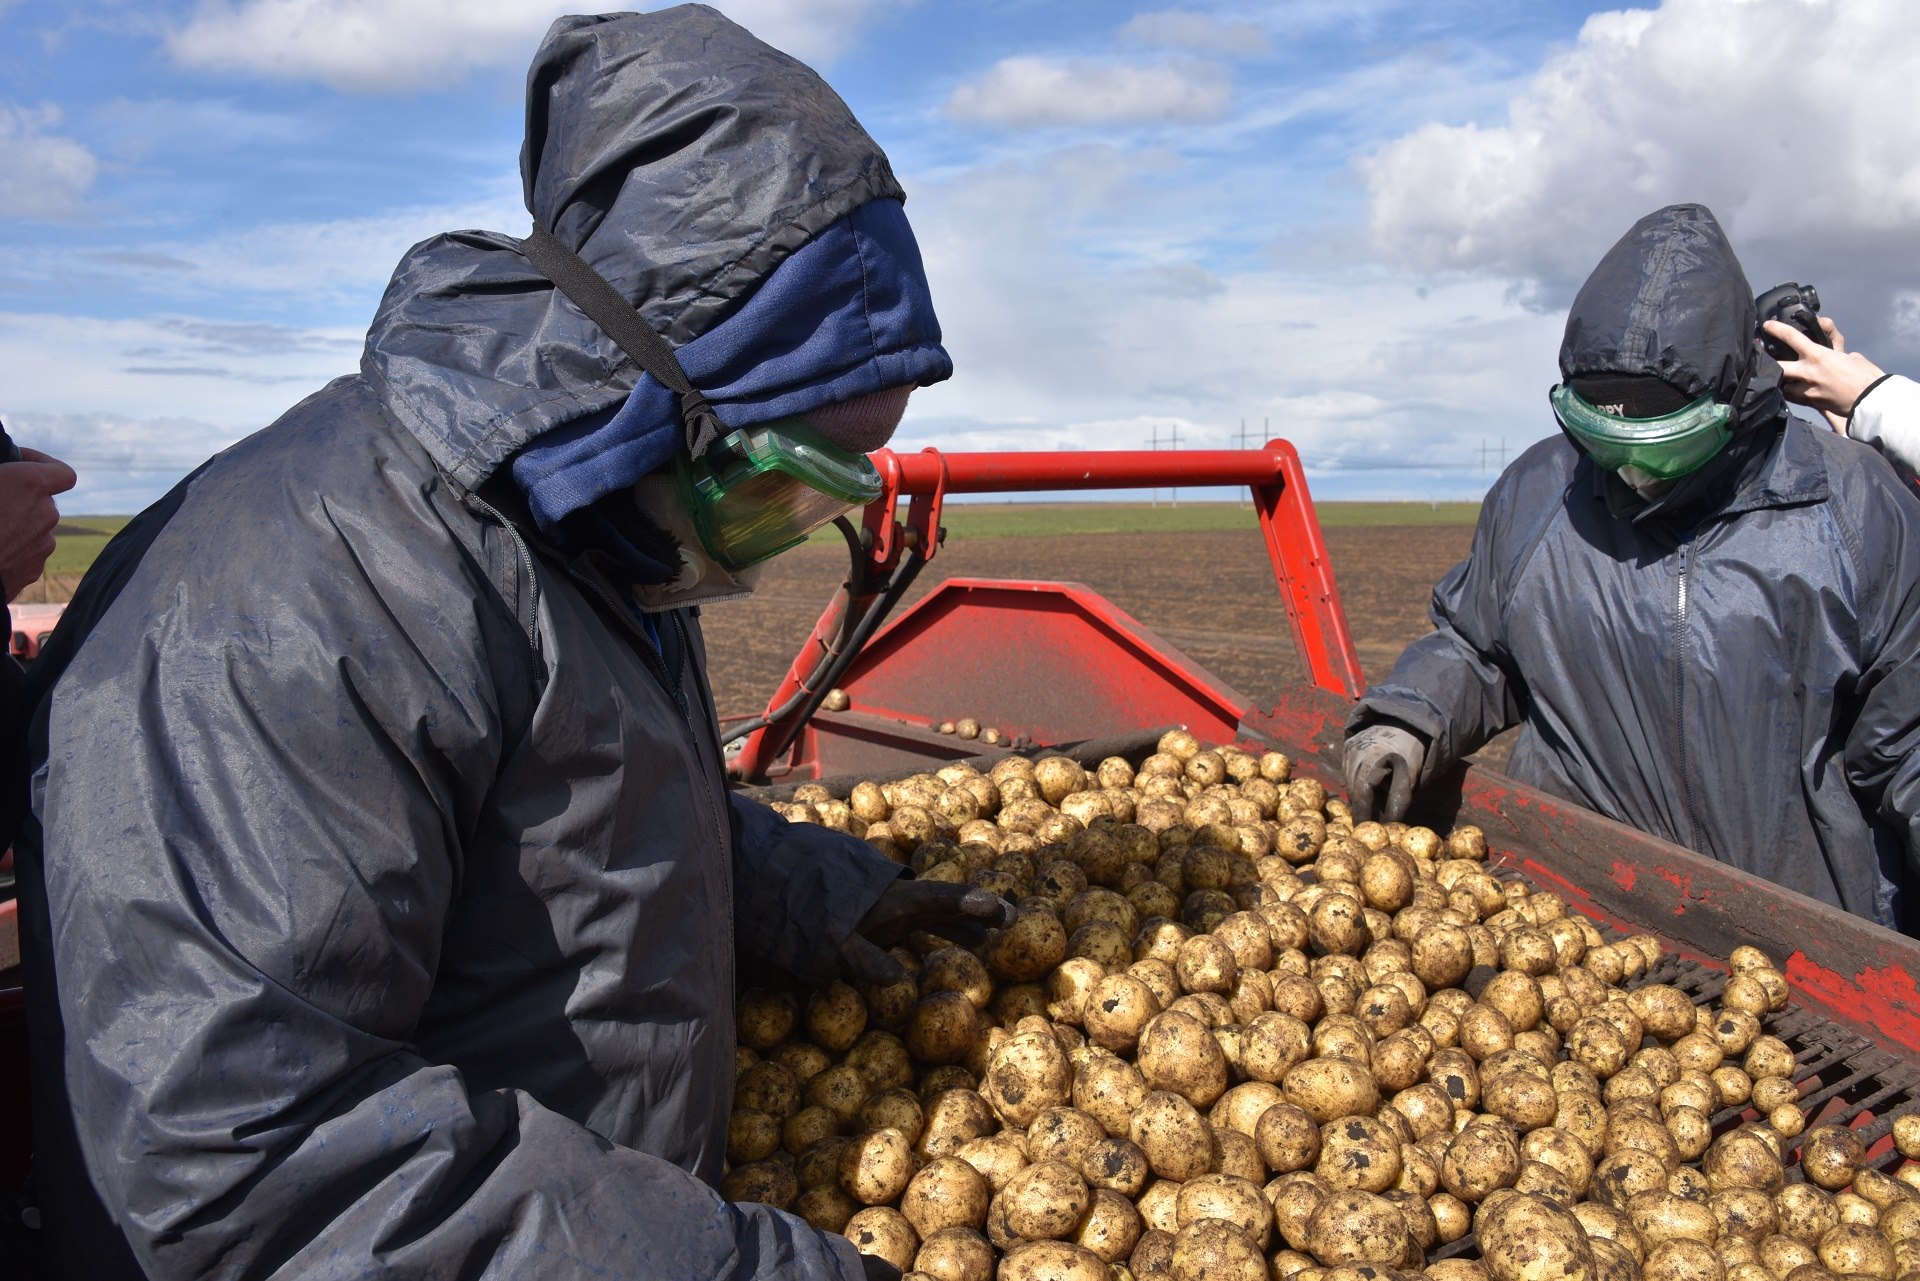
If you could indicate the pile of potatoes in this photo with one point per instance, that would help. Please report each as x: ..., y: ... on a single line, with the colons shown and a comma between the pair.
x: 1233, y: 1035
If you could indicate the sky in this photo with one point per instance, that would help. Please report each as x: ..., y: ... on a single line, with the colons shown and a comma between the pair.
x: 1354, y: 225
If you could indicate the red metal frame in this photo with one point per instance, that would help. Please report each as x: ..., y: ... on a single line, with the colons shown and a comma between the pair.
x: 1282, y: 504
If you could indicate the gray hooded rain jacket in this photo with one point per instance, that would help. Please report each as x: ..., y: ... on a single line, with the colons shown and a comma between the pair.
x: 391, y: 886
x: 1735, y: 667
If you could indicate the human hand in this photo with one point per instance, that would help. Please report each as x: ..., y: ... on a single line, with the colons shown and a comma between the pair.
x: 1382, y: 754
x: 28, y: 516
x: 956, y: 912
x: 1827, y: 379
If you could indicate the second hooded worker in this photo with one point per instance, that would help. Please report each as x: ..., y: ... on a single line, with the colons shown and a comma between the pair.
x: 391, y: 896
x: 1703, y: 612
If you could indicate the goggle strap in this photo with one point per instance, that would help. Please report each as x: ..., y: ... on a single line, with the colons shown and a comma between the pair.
x: 622, y: 322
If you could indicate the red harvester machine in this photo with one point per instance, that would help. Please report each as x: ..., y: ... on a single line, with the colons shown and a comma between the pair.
x: 1053, y: 665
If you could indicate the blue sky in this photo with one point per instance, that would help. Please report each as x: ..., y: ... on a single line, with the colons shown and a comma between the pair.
x: 1356, y: 222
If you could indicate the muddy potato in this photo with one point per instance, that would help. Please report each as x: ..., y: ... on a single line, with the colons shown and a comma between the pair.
x: 1357, y: 1227
x: 1110, y: 1090
x: 1536, y: 1178
x: 1358, y: 1152
x: 765, y: 1019
x: 827, y: 1207
x: 1046, y: 1201
x: 1830, y: 1155
x: 1206, y: 964
x: 1682, y: 1261
x: 1027, y: 1075
x: 1522, y: 1099
x: 1855, y: 1249
x: 1661, y: 1216
x: 1481, y: 1160
x: 752, y: 1135
x: 1177, y: 1140
x: 946, y: 1193
x: 1287, y: 1137
x: 1112, y: 1227
x: 1806, y: 1212
x: 942, y: 1028
x: 1117, y: 1009
x: 955, y: 1254
x: 1744, y: 1213
x: 953, y: 1118
x: 1330, y: 1088
x: 1069, y: 985
x: 876, y: 1167
x: 1024, y: 951
x: 885, y: 1234
x: 1179, y: 1053
x: 1234, y: 1200
x: 1062, y: 1134
x: 997, y: 1158
x: 1741, y: 1159
x: 1241, y: 1107
x: 1527, y: 1238
x: 1117, y: 1165
x: 767, y: 1182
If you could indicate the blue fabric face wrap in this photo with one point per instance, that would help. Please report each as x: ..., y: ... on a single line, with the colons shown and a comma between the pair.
x: 847, y: 314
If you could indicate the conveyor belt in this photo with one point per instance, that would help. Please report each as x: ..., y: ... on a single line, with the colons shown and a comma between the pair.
x: 1843, y: 1078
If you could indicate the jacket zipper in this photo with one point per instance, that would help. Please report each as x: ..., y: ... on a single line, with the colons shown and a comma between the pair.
x: 525, y: 554
x: 1680, y: 689
x: 676, y: 689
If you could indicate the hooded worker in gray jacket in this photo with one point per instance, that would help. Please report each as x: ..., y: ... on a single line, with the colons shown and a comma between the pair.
x: 385, y: 916
x: 1704, y: 613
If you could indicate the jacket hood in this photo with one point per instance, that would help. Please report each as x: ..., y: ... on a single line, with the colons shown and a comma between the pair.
x: 1670, y: 300
x: 685, y: 161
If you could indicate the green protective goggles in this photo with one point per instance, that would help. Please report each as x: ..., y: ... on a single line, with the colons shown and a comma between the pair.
x: 1665, y: 447
x: 760, y: 490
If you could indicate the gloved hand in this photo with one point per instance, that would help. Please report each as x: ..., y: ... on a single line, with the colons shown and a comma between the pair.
x: 1381, y: 754
x: 878, y: 1269
x: 956, y: 912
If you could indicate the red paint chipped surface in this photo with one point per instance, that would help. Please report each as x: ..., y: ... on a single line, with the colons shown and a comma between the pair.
x: 1624, y: 874
x: 1883, y: 996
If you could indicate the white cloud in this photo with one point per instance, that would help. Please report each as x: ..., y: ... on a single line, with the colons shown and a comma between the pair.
x: 1070, y: 332
x: 1029, y: 91
x: 1185, y: 29
x: 386, y: 46
x: 1792, y: 119
x: 42, y: 175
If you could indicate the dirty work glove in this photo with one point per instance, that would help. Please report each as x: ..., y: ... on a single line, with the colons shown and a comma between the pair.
x: 1382, y: 754
x: 952, y: 911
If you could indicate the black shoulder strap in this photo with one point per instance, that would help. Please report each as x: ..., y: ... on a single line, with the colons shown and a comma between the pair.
x: 624, y: 324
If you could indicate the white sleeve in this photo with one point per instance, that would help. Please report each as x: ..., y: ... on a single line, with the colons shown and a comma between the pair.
x: 1887, y: 415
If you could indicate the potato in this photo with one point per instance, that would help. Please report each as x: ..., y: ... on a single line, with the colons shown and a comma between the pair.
x: 997, y: 1159
x: 885, y: 1234
x: 876, y: 1167
x: 1214, y: 1250
x: 1661, y: 1216
x: 767, y: 1182
x: 946, y: 1193
x: 1287, y: 1138
x: 1740, y: 1159
x: 1110, y: 1090
x: 1830, y: 1155
x: 827, y: 1207
x: 1052, y: 1261
x: 953, y: 1118
x: 1852, y: 1248
x: 1358, y: 1152
x: 1178, y: 1053
x: 1177, y: 1140
x: 1527, y: 1238
x: 1481, y: 1160
x: 1117, y: 1009
x: 1026, y: 1076
x: 1806, y: 1212
x: 1046, y: 1201
x: 1112, y: 1227
x: 1682, y: 1261
x: 1118, y: 1165
x: 1357, y: 1227
x: 955, y: 1254
x: 1330, y: 1088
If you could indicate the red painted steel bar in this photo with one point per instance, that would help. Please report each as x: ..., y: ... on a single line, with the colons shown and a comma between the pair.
x: 1012, y: 473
